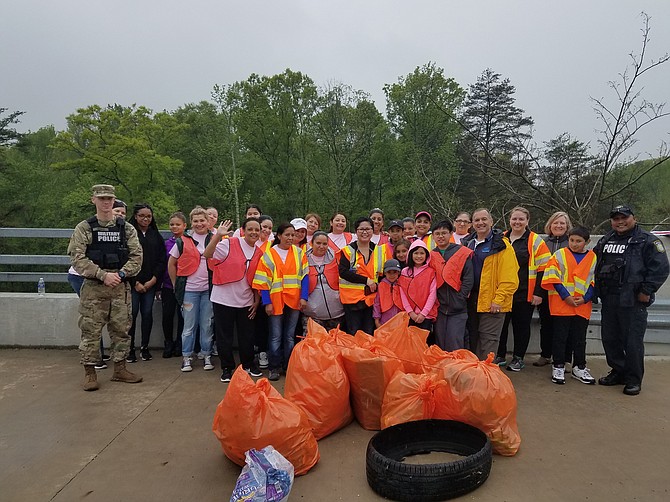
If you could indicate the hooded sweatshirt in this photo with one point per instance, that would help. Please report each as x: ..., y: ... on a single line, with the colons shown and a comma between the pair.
x: 426, y: 275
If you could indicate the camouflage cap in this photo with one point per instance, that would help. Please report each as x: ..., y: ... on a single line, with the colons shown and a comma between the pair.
x: 103, y: 191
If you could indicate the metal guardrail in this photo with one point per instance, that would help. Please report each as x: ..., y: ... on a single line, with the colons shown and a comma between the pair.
x: 45, y: 260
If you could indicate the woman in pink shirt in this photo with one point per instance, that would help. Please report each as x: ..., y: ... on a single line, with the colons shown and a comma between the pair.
x: 233, y: 263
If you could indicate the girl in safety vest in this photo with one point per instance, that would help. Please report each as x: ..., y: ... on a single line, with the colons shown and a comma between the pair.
x: 569, y: 279
x: 323, y: 304
x: 233, y: 263
x: 189, y: 273
x: 360, y: 266
x: 418, y: 287
x: 422, y: 222
x: 400, y: 251
x: 300, y: 238
x: 388, y: 302
x: 532, y: 255
x: 338, y: 238
x: 168, y: 300
x: 281, y: 278
x: 455, y: 279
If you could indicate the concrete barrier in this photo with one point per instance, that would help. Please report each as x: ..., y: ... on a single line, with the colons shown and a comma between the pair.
x: 29, y: 320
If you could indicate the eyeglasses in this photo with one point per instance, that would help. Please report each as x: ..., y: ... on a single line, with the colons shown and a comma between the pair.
x: 143, y: 216
x: 367, y: 229
x: 462, y: 221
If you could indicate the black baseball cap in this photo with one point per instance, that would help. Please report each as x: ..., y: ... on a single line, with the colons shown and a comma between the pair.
x: 395, y: 223
x: 625, y: 210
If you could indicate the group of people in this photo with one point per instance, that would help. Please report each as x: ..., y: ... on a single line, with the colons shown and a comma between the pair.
x: 463, y: 281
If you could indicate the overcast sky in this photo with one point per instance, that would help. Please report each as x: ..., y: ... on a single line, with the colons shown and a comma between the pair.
x: 57, y: 56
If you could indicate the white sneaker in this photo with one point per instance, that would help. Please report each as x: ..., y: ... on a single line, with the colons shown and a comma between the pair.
x: 208, y: 363
x: 558, y: 375
x: 263, y: 360
x: 201, y: 356
x: 215, y: 351
x: 186, y: 364
x: 583, y: 375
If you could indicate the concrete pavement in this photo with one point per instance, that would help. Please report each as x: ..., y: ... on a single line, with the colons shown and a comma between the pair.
x: 153, y: 440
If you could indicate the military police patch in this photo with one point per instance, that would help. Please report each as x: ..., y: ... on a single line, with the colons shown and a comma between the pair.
x: 659, y: 246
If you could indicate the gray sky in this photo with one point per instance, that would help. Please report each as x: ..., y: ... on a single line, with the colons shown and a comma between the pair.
x: 59, y: 56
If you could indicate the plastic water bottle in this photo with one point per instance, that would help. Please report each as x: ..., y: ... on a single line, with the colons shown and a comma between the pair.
x: 41, y: 288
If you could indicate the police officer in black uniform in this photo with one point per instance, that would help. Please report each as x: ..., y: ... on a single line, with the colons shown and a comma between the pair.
x: 632, y: 266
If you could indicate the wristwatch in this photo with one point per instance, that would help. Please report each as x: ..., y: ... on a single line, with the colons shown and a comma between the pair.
x: 122, y: 275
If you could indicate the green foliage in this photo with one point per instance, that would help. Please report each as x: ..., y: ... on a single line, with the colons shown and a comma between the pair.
x: 123, y: 146
x: 420, y: 108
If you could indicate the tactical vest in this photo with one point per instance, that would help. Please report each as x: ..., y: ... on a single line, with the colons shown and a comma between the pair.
x: 108, y: 248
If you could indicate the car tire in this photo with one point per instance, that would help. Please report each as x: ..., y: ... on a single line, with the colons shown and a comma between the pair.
x: 390, y: 477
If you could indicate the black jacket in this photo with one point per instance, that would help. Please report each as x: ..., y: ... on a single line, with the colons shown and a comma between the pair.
x: 154, y: 260
x: 645, y: 267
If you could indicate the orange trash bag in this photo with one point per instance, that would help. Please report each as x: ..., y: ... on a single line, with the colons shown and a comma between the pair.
x: 407, y: 342
x: 483, y: 396
x: 410, y: 396
x: 255, y: 415
x: 369, y: 366
x: 317, y: 383
x: 434, y: 357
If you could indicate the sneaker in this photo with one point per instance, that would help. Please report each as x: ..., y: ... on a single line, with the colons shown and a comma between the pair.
x: 201, y: 356
x: 145, y: 355
x: 186, y: 364
x: 226, y: 375
x: 106, y: 357
x: 263, y: 360
x: 215, y: 351
x: 132, y: 357
x: 274, y: 375
x: 253, y: 371
x: 558, y: 375
x: 583, y: 375
x: 101, y: 365
x: 500, y: 361
x: 542, y: 361
x: 516, y: 365
x: 208, y: 363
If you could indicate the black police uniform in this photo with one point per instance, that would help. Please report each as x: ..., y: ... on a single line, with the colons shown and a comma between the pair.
x: 628, y: 264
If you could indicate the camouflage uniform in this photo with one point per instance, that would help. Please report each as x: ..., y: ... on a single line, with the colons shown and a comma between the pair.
x: 100, y: 304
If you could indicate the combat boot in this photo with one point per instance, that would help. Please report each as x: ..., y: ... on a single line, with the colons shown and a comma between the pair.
x: 91, y: 378
x: 121, y: 374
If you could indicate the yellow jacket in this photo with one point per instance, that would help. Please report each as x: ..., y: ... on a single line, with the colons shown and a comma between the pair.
x: 500, y: 275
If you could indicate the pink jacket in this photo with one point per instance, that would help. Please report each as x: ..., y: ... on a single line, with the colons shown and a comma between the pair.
x: 428, y: 310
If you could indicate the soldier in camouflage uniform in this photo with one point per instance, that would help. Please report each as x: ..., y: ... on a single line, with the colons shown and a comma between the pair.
x: 105, y: 251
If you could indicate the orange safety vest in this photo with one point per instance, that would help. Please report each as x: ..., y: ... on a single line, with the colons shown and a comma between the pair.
x: 417, y: 289
x: 347, y: 240
x: 351, y: 293
x: 389, y: 295
x: 575, y: 277
x: 189, y: 256
x: 236, y: 265
x: 330, y: 273
x: 282, y: 280
x: 450, y: 271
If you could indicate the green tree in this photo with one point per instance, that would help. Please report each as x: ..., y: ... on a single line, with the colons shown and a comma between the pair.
x: 270, y: 117
x: 7, y: 133
x: 421, y: 108
x: 348, y: 136
x: 123, y: 146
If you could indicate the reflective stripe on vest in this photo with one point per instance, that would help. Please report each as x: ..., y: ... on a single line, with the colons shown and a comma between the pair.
x: 575, y: 277
x: 538, y: 256
x: 351, y: 293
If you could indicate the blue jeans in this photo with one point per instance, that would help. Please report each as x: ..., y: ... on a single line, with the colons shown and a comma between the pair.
x: 143, y: 303
x: 282, y: 332
x: 197, y: 311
